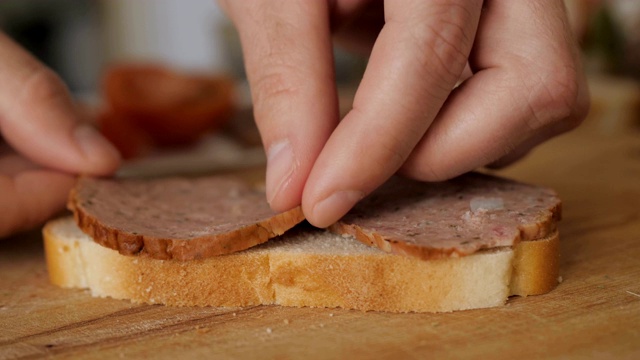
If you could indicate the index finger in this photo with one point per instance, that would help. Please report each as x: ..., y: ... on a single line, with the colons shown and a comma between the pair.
x: 289, y: 62
x: 416, y: 62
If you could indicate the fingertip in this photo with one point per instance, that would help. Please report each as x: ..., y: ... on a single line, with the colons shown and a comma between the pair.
x: 281, y: 168
x: 101, y: 156
x: 330, y: 209
x: 39, y: 119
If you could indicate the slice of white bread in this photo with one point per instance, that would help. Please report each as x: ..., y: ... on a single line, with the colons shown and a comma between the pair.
x: 305, y: 267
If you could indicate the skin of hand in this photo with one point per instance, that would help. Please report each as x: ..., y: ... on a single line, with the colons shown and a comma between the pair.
x: 43, y: 144
x: 408, y: 116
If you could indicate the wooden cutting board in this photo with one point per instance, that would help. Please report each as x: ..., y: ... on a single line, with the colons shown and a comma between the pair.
x: 594, y: 312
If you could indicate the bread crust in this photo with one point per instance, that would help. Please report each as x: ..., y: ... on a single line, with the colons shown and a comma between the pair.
x: 536, y: 266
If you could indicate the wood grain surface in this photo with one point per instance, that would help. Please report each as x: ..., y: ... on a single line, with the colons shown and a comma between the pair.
x: 594, y: 312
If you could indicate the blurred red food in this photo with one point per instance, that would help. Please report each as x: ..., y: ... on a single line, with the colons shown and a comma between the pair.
x: 151, y: 105
x: 125, y: 135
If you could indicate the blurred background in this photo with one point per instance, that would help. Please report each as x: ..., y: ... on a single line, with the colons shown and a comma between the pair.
x: 80, y: 39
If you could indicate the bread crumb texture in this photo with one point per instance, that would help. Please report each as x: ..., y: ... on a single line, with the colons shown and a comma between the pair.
x: 302, y: 268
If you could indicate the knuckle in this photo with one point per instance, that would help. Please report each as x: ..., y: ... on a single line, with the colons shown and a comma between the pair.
x: 444, y: 45
x: 277, y: 83
x: 444, y: 40
x: 558, y: 97
x: 563, y: 92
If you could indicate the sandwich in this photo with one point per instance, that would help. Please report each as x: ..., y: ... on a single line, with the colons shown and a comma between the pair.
x: 471, y: 242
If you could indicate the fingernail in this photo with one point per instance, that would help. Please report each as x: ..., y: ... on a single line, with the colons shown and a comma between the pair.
x: 92, y: 143
x: 280, y: 167
x: 333, y: 207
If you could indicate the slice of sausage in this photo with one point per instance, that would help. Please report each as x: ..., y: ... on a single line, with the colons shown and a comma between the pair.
x: 452, y: 218
x: 177, y: 218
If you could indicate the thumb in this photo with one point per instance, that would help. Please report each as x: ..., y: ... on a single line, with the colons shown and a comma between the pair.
x: 39, y: 120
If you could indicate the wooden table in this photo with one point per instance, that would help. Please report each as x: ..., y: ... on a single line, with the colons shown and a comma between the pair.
x: 594, y: 312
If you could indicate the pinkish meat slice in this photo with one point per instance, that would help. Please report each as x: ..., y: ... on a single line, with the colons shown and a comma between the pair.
x: 452, y: 218
x: 180, y: 218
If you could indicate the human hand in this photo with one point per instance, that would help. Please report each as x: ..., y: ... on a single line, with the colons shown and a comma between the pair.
x: 45, y: 143
x: 527, y: 86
